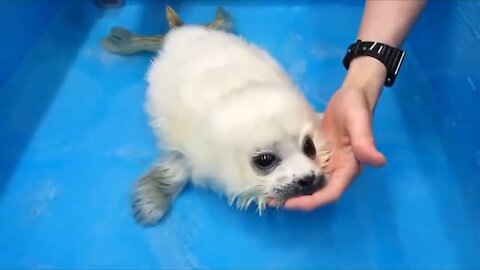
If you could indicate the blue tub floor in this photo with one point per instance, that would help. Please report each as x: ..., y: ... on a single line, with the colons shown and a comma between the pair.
x: 78, y: 138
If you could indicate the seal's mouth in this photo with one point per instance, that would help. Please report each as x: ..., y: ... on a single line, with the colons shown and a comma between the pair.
x: 304, y: 186
x: 296, y: 189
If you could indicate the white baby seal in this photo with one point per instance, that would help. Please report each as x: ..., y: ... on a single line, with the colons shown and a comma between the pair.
x: 229, y: 118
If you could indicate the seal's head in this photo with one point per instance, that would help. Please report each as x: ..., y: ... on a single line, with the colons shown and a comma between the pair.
x: 273, y: 150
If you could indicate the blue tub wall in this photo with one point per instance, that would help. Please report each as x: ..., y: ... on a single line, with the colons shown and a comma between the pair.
x: 21, y: 24
x: 446, y: 44
x: 23, y: 105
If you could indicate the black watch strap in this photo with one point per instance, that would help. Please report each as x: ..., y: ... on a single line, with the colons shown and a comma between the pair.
x: 390, y: 56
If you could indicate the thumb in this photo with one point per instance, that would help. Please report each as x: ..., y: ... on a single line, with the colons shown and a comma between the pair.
x: 360, y: 131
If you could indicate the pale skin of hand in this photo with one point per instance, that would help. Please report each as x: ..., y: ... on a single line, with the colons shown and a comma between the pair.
x: 347, y: 121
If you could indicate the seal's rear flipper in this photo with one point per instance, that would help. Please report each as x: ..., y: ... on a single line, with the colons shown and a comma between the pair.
x: 226, y: 22
x: 119, y: 40
x: 172, y: 18
x: 121, y: 35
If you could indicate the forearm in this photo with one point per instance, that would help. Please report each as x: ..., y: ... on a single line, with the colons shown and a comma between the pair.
x: 387, y: 22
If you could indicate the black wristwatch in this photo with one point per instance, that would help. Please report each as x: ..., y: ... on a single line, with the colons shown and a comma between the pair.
x: 391, y: 57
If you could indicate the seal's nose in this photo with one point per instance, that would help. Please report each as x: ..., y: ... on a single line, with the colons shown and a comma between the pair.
x: 310, y: 183
x: 306, y: 181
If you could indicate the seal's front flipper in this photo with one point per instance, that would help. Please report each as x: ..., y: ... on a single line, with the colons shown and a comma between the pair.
x: 155, y: 192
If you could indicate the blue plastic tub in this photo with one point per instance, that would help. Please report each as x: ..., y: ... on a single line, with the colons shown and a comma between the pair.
x: 74, y: 137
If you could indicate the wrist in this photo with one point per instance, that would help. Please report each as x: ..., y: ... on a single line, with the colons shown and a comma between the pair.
x: 366, y: 74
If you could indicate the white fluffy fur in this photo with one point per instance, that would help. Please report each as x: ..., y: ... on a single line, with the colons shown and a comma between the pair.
x: 216, y: 98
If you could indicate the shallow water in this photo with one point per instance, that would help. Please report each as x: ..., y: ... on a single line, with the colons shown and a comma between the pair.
x: 75, y: 137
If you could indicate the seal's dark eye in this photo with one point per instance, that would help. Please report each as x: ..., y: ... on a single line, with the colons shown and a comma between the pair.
x: 265, y: 161
x: 309, y: 148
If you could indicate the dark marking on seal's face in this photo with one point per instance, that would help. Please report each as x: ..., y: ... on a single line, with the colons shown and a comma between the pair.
x: 305, y: 185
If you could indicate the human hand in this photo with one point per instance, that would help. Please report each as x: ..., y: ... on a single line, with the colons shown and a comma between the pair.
x: 347, y: 125
x: 348, y: 117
